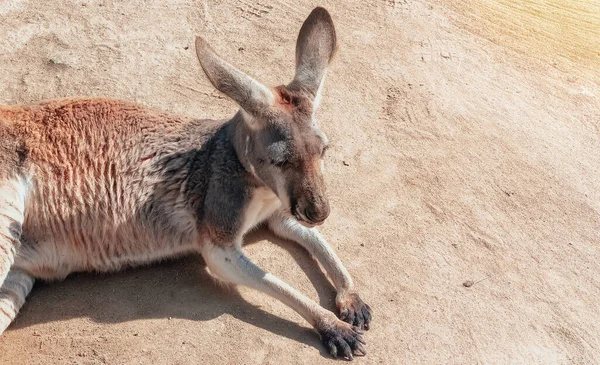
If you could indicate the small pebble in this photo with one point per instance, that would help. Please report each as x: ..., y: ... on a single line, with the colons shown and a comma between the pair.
x: 57, y: 60
x: 346, y: 163
x: 468, y: 283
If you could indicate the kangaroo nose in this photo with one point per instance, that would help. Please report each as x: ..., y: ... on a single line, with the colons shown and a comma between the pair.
x: 316, y: 215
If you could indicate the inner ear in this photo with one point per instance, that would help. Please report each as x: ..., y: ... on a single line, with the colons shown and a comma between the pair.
x: 286, y: 99
x: 284, y: 95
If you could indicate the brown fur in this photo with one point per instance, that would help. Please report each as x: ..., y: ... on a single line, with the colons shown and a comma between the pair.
x: 98, y: 185
x: 90, y: 162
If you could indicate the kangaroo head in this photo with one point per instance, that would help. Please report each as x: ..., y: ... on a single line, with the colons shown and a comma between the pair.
x: 281, y: 143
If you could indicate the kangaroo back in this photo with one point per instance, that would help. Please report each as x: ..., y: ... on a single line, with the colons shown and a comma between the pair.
x: 104, y: 181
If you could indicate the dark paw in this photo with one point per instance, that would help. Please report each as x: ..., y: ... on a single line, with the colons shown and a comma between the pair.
x: 354, y: 311
x: 342, y: 340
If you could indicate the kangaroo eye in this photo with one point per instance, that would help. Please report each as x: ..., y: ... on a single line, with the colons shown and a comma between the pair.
x: 283, y: 164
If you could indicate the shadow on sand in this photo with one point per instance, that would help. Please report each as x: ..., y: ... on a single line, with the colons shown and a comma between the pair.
x: 180, y: 289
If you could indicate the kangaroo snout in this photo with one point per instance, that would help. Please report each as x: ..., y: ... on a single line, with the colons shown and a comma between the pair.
x: 312, y: 212
x: 317, y: 213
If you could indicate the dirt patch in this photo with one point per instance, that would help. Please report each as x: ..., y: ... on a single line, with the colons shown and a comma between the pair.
x: 459, y: 154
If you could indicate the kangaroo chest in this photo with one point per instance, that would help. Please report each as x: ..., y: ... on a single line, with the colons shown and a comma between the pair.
x: 262, y: 205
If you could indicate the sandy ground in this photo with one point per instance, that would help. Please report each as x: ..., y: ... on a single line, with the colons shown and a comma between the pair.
x: 466, y: 145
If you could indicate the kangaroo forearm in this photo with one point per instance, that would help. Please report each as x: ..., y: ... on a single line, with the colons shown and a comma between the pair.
x: 231, y: 265
x: 317, y: 246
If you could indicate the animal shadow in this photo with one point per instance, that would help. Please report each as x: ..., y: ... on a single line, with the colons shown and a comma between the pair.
x: 178, y: 288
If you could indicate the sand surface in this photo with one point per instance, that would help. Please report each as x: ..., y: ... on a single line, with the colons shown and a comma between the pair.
x: 465, y: 148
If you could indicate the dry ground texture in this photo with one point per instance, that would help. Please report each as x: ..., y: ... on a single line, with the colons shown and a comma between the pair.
x: 466, y: 150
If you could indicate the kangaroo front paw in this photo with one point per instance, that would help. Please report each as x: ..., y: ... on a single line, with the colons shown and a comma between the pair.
x: 354, y: 311
x: 342, y: 340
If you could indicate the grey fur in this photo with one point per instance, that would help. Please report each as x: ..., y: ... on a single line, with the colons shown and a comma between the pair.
x: 97, y: 185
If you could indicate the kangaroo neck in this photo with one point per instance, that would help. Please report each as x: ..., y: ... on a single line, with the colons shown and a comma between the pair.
x: 240, y: 135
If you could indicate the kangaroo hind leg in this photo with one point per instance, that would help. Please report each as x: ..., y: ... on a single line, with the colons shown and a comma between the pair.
x: 13, y: 292
x: 12, y: 210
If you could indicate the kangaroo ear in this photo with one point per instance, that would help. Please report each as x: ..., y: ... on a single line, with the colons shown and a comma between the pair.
x: 315, y: 48
x: 250, y: 94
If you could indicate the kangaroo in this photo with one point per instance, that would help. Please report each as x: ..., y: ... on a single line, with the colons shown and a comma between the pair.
x: 100, y: 185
